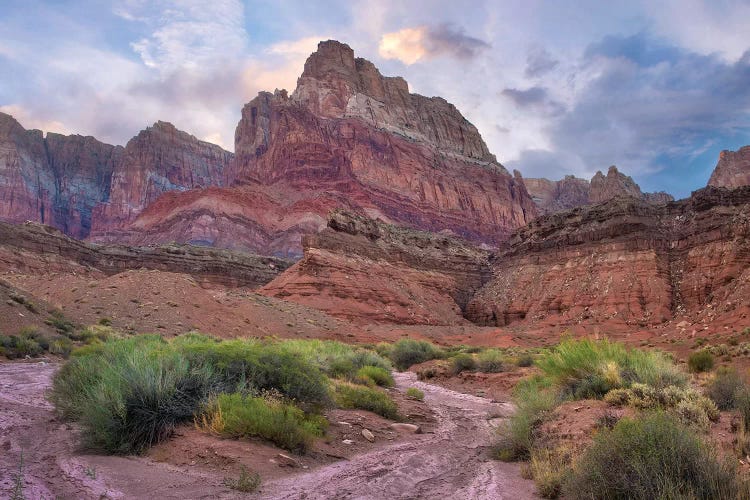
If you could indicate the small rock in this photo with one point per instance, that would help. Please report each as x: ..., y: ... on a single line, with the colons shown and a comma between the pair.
x: 415, y: 429
x: 347, y: 441
x: 368, y: 435
x: 344, y: 423
x: 287, y: 461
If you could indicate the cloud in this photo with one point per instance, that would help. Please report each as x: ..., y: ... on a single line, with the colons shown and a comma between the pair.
x: 539, y: 62
x: 534, y: 99
x: 410, y: 45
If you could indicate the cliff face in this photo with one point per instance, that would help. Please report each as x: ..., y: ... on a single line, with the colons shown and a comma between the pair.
x: 159, y: 159
x: 624, y: 262
x: 368, y: 271
x: 348, y: 138
x: 56, y: 180
x: 732, y: 170
x: 79, y: 185
x: 572, y: 192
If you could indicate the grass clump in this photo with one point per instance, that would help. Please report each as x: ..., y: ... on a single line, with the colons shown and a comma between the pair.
x: 415, y: 393
x: 239, y: 416
x: 701, y: 361
x: 550, y: 469
x: 358, y: 397
x: 379, y: 376
x: 246, y: 482
x: 463, y: 362
x: 654, y: 457
x: 336, y: 359
x: 725, y: 388
x: 491, y: 361
x: 407, y: 352
x: 590, y: 369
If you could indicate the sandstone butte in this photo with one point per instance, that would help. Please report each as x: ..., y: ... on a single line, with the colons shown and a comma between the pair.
x: 571, y: 192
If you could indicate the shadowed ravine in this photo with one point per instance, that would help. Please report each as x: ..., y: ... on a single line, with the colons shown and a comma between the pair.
x: 451, y: 462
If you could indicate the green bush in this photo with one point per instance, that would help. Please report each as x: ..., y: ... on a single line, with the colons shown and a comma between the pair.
x: 62, y: 346
x: 491, y: 361
x: 407, y: 352
x: 378, y: 375
x: 725, y: 387
x: 415, y: 393
x: 550, y: 469
x: 59, y: 322
x: 701, y: 361
x: 27, y: 346
x: 238, y: 416
x: 463, y: 362
x: 358, y: 397
x: 130, y: 393
x: 335, y: 359
x: 654, y: 457
x: 590, y: 369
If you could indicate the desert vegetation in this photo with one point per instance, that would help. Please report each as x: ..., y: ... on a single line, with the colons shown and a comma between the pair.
x: 130, y: 393
x: 662, y: 449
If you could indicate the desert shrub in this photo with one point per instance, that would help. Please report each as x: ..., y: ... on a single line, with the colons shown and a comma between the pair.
x: 380, y: 376
x: 62, y: 346
x: 238, y: 416
x: 28, y: 343
x: 105, y: 321
x: 654, y: 457
x: 129, y: 395
x: 463, y: 362
x: 27, y: 346
x: 407, y: 352
x: 94, y: 333
x: 742, y: 405
x: 534, y: 403
x: 525, y: 360
x: 491, y: 361
x: 246, y: 482
x: 550, y: 469
x: 415, y: 393
x: 358, y: 397
x: 724, y: 388
x: 689, y: 406
x: 701, y: 361
x: 586, y: 368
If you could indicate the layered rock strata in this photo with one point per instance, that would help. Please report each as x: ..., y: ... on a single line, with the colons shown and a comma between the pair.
x: 369, y: 271
x: 38, y: 248
x: 625, y: 261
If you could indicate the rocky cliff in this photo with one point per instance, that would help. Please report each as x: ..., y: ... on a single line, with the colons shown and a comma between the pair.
x: 57, y: 180
x: 160, y: 158
x: 624, y: 262
x: 79, y: 185
x: 732, y: 170
x: 35, y: 247
x: 369, y: 271
x: 571, y: 192
x: 351, y: 138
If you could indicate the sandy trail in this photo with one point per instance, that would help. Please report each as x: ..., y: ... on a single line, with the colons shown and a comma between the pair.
x: 452, y: 462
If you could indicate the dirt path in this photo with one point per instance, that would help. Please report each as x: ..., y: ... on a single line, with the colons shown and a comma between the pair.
x: 449, y: 463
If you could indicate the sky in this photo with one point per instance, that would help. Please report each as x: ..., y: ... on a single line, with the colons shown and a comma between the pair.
x: 657, y: 88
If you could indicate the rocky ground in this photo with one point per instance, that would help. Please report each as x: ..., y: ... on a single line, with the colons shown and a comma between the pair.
x: 449, y: 459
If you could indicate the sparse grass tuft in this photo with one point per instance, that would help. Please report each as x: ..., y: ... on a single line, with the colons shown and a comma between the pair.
x: 415, y: 393
x: 491, y: 361
x: 380, y: 376
x: 463, y: 362
x: 246, y: 482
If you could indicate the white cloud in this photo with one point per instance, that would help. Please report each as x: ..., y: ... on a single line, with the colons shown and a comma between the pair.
x: 406, y: 45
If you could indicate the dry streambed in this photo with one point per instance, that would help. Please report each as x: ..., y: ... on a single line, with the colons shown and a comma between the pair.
x: 449, y: 462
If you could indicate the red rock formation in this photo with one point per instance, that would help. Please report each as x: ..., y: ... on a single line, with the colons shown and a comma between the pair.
x: 369, y: 271
x: 732, y: 170
x: 623, y: 262
x: 571, y: 192
x: 157, y: 160
x: 347, y: 137
x: 56, y: 180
